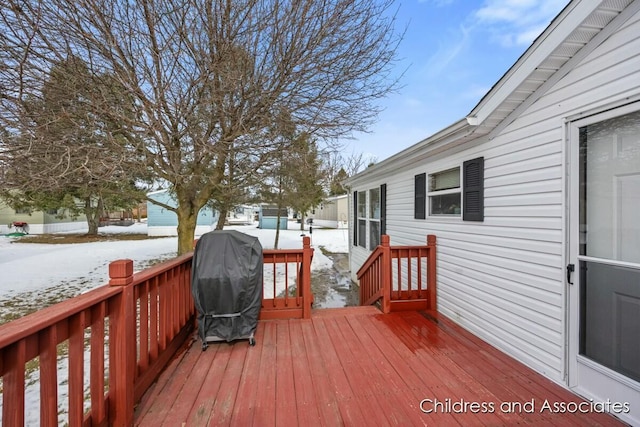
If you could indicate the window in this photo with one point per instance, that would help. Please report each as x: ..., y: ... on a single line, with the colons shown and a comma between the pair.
x: 419, y: 192
x: 444, y: 193
x: 452, y: 192
x: 369, y: 216
x: 362, y: 218
x: 374, y: 218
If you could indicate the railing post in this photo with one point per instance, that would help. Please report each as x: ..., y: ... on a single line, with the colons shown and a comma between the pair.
x: 386, y: 273
x: 431, y: 272
x: 122, y: 345
x: 307, y: 297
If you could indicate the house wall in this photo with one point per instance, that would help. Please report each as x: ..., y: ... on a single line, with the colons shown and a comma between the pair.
x: 163, y: 222
x: 504, y: 278
x: 40, y: 222
x: 332, y: 213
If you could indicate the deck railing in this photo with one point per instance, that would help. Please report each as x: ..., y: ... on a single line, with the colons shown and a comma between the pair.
x: 287, y: 283
x: 400, y: 277
x: 125, y: 332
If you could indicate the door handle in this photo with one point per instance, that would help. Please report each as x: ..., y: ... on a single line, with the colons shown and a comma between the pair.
x: 570, y: 269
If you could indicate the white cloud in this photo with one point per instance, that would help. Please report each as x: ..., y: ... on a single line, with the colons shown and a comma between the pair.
x: 517, y: 22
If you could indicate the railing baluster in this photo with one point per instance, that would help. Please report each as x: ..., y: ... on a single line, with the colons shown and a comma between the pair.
x: 76, y: 368
x: 48, y: 341
x: 14, y: 359
x: 98, y: 410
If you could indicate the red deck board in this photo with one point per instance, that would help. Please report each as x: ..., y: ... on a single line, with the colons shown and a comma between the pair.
x: 349, y: 408
x: 444, y: 383
x: 217, y: 363
x: 326, y: 399
x: 306, y: 400
x: 351, y: 366
x: 379, y: 381
x: 247, y: 390
x: 397, y: 357
x: 285, y: 402
x: 365, y: 388
x: 264, y: 408
x: 191, y: 385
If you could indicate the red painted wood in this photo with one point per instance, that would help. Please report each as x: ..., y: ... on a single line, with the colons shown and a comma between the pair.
x: 264, y: 405
x: 48, y: 377
x: 247, y: 391
x: 285, y: 402
x: 326, y: 398
x: 76, y: 369
x: 14, y: 358
x: 187, y: 384
x: 305, y: 393
x: 98, y: 409
x: 350, y: 412
x: 355, y: 366
x: 189, y: 369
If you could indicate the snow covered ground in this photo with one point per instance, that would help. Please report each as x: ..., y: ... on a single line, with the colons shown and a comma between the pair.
x: 33, y: 276
x: 34, y: 267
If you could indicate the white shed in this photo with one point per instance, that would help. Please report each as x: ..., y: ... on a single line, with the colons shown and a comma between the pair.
x: 534, y: 198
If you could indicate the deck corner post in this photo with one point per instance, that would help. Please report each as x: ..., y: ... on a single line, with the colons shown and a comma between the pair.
x: 386, y: 272
x: 122, y: 345
x: 307, y: 254
x: 431, y: 273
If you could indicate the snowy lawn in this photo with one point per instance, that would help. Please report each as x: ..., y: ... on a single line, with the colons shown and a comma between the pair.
x: 34, y: 276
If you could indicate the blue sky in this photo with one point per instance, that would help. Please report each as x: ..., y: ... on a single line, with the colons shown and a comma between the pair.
x: 452, y: 53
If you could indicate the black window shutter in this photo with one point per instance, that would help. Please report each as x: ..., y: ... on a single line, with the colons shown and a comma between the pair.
x: 383, y: 209
x: 420, y: 193
x: 355, y: 218
x: 473, y: 190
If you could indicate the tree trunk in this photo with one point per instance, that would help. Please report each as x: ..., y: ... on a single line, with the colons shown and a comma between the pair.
x: 93, y: 215
x: 187, y: 221
x: 275, y: 245
x: 301, y: 221
x: 222, y: 218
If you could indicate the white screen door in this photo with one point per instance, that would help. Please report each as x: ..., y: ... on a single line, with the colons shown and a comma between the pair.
x: 604, y: 248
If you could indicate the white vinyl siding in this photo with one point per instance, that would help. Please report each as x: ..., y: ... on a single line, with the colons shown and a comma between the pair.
x: 504, y: 279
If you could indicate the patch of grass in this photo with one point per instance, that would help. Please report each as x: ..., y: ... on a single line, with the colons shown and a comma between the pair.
x: 326, y: 251
x: 80, y: 238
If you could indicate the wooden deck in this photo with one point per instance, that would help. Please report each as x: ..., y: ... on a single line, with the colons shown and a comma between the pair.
x: 355, y: 366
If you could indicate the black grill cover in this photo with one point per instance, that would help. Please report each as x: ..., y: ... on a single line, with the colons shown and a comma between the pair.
x: 226, y: 284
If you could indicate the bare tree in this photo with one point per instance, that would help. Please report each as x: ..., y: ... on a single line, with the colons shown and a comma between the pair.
x: 207, y: 77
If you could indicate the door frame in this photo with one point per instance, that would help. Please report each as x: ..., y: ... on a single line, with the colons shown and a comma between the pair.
x: 577, y: 364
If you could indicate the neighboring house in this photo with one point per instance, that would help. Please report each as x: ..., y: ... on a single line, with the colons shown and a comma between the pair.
x: 268, y: 218
x: 332, y: 213
x: 39, y: 222
x: 534, y: 198
x: 164, y: 222
x: 241, y: 215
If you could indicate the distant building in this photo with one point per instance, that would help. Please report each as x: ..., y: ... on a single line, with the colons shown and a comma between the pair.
x: 164, y: 222
x: 39, y: 222
x: 268, y: 218
x: 242, y: 215
x: 332, y: 213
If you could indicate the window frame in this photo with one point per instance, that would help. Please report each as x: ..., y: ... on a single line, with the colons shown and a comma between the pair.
x: 447, y: 191
x: 372, y: 218
x: 364, y: 202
